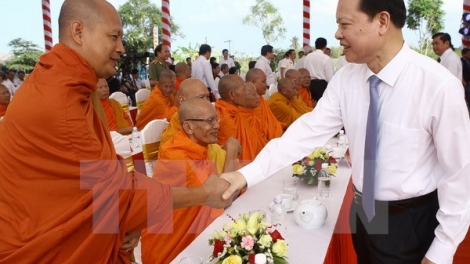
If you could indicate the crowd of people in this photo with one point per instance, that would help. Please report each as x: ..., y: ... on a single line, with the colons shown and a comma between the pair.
x: 67, y: 197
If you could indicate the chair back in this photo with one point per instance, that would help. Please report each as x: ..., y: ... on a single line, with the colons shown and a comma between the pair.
x: 123, y: 149
x: 151, y: 136
x: 122, y: 99
x: 140, y: 97
x: 272, y: 89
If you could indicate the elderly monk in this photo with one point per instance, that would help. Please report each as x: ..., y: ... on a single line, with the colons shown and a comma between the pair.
x: 159, y: 104
x: 184, y: 161
x: 285, y: 104
x: 269, y: 125
x: 65, y: 196
x: 4, y: 99
x: 237, y: 121
x: 304, y: 91
x: 117, y: 119
x: 183, y: 72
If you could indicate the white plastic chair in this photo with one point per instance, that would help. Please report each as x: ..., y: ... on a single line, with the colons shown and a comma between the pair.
x: 123, y: 149
x: 140, y: 97
x: 120, y: 97
x: 272, y: 89
x: 150, y: 136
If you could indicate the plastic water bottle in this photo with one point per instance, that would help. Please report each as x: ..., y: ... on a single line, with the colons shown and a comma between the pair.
x: 278, y: 216
x: 342, y: 143
x: 324, y: 180
x: 260, y: 258
x: 143, y: 74
x: 135, y: 139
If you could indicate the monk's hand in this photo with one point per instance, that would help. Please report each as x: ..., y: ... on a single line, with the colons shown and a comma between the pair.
x: 426, y: 261
x: 232, y: 145
x: 131, y: 240
x: 214, y: 186
x: 237, y: 182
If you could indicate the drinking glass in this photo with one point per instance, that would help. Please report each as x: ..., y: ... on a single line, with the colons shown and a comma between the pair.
x: 290, y: 187
x: 191, y: 260
x: 324, y: 186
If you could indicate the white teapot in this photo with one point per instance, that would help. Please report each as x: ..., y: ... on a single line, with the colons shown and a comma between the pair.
x: 310, y: 214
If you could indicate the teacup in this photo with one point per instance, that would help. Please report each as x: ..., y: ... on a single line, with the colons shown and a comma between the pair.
x: 287, y: 200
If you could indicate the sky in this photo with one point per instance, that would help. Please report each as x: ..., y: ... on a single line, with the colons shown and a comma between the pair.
x: 217, y: 21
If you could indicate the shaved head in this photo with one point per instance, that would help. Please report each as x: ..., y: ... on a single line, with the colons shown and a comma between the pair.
x: 287, y: 88
x: 229, y: 83
x: 181, y: 67
x: 4, y: 95
x: 252, y: 97
x: 254, y: 74
x: 191, y: 88
x: 87, y: 12
x: 199, y: 121
x: 193, y: 108
x: 292, y: 74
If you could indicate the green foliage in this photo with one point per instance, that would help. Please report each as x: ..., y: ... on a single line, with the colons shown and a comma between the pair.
x: 427, y: 17
x: 266, y: 17
x: 295, y: 43
x: 138, y: 19
x: 181, y: 53
x: 26, y: 55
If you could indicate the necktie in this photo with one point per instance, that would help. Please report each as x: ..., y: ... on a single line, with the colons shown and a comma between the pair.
x: 370, y: 150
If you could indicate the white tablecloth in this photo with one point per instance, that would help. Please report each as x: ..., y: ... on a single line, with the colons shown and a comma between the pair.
x: 305, y: 246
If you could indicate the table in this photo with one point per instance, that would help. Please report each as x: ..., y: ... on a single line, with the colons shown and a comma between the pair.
x: 305, y: 246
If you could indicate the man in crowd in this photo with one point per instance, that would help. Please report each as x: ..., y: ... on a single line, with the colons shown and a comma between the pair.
x: 80, y: 203
x: 264, y: 63
x: 304, y: 91
x: 301, y: 62
x: 183, y: 161
x: 202, y: 70
x: 442, y: 46
x: 320, y: 67
x: 226, y: 59
x: 287, y: 63
x: 7, y: 83
x: 223, y: 70
x: 183, y: 72
x: 4, y: 99
x: 422, y: 113
x: 156, y: 67
x: 18, y: 81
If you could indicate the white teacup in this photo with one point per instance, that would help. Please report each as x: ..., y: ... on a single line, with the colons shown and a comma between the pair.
x: 287, y: 200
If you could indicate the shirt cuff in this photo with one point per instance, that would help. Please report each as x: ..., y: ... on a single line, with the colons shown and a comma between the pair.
x: 440, y: 253
x: 253, y: 174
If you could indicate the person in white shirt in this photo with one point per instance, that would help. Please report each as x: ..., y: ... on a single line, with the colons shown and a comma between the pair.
x: 301, y: 62
x: 226, y: 59
x: 263, y: 63
x: 320, y: 67
x: 223, y: 70
x: 202, y: 70
x: 442, y: 46
x: 423, y: 137
x: 287, y: 63
x: 341, y: 62
x: 19, y: 80
x: 8, y: 84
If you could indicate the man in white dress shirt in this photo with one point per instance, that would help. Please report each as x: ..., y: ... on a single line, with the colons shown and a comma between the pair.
x: 442, y: 46
x: 202, y: 70
x: 301, y: 62
x: 8, y: 84
x: 423, y: 140
x: 287, y: 63
x: 267, y: 55
x: 226, y: 59
x: 320, y: 67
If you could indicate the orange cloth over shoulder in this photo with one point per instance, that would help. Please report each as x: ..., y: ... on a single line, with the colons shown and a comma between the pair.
x: 3, y: 109
x: 115, y: 116
x: 157, y: 106
x: 241, y: 124
x: 65, y: 197
x: 305, y: 95
x: 178, y: 81
x: 269, y: 125
x: 285, y: 110
x: 181, y: 163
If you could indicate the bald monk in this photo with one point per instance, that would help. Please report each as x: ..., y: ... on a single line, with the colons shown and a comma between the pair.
x: 117, y: 119
x: 304, y: 91
x: 76, y: 202
x: 159, y: 104
x: 285, y: 104
x: 4, y: 99
x: 237, y: 121
x: 184, y: 161
x: 270, y: 126
x: 183, y: 72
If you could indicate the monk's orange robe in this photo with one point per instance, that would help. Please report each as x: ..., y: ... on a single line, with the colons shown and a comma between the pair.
x: 269, y: 125
x: 178, y: 81
x: 181, y: 163
x: 114, y: 114
x: 157, y: 106
x: 3, y: 109
x: 216, y: 154
x: 305, y: 95
x: 65, y: 196
x: 285, y: 110
x: 241, y: 124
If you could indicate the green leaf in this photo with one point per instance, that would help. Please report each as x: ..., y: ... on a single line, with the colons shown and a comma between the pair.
x: 279, y: 260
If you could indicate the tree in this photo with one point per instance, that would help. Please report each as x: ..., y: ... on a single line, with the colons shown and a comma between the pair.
x: 295, y: 43
x: 26, y: 54
x: 138, y: 19
x: 425, y: 16
x: 266, y: 17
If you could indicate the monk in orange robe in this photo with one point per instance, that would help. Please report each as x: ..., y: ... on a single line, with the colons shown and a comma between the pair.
x: 237, y: 121
x: 159, y: 104
x: 183, y: 72
x: 285, y: 104
x: 4, y: 99
x: 117, y: 119
x: 183, y: 161
x: 304, y: 91
x: 269, y: 125
x: 76, y: 202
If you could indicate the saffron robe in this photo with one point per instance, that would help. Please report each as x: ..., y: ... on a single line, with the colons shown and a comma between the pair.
x: 65, y: 196
x: 285, y: 110
x: 305, y: 95
x: 178, y: 81
x: 157, y: 106
x: 3, y: 109
x: 181, y: 163
x: 115, y: 116
x: 270, y: 127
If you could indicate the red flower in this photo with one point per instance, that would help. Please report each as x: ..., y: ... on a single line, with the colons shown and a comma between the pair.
x: 306, y: 161
x: 218, y: 247
x: 251, y: 258
x: 318, y: 164
x: 275, y: 235
x: 331, y: 160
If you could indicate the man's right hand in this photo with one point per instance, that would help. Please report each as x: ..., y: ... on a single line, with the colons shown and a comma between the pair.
x: 237, y: 182
x: 214, y: 186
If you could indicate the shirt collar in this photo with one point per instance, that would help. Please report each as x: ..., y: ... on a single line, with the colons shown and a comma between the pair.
x: 390, y: 73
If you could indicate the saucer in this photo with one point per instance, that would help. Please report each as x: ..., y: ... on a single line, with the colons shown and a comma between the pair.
x: 294, y: 204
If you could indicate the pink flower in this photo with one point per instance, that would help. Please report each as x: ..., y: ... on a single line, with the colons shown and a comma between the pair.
x: 227, y: 239
x: 247, y: 243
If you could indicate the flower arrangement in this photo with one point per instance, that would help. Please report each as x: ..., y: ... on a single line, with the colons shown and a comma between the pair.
x: 241, y: 239
x: 310, y: 166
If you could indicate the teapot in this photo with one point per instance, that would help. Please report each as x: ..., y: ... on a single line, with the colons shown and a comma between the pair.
x: 310, y: 214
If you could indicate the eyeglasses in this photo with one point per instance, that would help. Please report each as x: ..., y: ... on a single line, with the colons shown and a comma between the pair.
x: 210, y: 121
